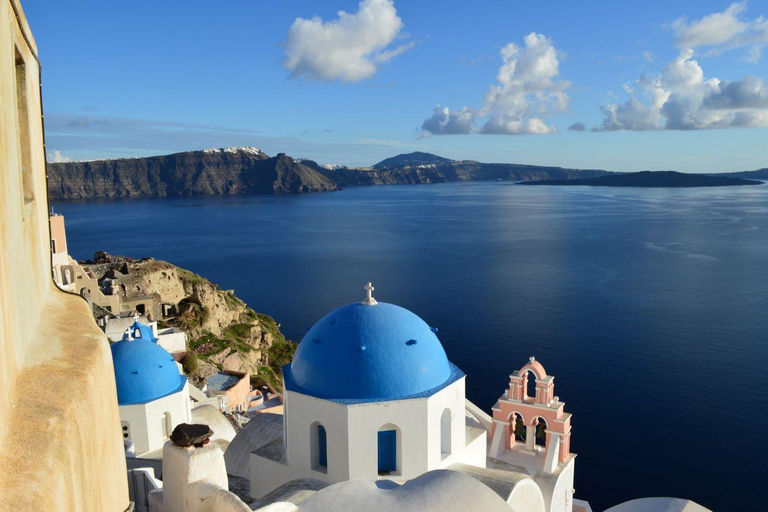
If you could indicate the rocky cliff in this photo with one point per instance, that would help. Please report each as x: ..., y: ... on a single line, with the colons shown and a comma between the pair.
x: 441, y: 170
x: 223, y: 332
x: 226, y: 171
x: 231, y: 171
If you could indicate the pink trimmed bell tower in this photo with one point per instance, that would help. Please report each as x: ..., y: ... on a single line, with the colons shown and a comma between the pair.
x: 528, y: 415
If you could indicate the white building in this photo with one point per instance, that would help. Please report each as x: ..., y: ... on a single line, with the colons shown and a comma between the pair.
x: 171, y: 339
x: 370, y: 393
x: 152, y: 395
x: 375, y: 419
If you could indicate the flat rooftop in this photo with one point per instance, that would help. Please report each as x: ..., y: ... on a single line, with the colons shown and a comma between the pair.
x: 222, y: 381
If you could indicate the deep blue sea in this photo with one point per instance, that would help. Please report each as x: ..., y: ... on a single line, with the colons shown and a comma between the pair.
x: 649, y: 306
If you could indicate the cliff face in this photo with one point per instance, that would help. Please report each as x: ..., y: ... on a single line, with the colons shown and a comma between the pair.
x: 396, y: 171
x: 222, y: 331
x: 226, y: 171
x: 231, y: 171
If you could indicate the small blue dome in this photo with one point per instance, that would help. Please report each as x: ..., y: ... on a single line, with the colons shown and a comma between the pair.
x: 369, y: 352
x: 144, y: 371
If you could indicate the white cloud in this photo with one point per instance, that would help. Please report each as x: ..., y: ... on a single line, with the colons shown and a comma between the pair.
x: 722, y: 31
x: 682, y: 98
x: 527, y: 91
x: 444, y: 121
x: 347, y: 49
x: 57, y: 157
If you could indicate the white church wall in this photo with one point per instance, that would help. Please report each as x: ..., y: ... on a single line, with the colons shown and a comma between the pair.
x: 135, y: 417
x: 558, y: 491
x: 300, y: 413
x: 149, y: 425
x: 562, y: 494
x: 452, y: 398
x: 352, y: 439
x: 365, y: 421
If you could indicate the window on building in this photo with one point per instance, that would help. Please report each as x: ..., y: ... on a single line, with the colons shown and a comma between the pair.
x: 318, y: 446
x: 22, y: 113
x: 445, y: 433
x: 322, y: 447
x: 387, y: 451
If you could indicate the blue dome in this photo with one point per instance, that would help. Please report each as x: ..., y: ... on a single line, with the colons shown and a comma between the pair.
x: 144, y: 371
x: 369, y: 352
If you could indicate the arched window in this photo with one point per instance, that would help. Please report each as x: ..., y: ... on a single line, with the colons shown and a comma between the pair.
x: 445, y: 433
x: 520, y: 431
x: 541, y: 432
x: 322, y: 447
x: 531, y: 386
x: 389, y: 450
x: 318, y: 447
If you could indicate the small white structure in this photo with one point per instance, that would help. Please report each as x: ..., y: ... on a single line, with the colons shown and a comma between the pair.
x: 370, y: 393
x: 153, y: 397
x: 195, y: 480
x: 171, y: 339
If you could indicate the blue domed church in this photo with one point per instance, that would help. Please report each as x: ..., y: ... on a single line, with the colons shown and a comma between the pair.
x: 370, y: 394
x: 152, y: 395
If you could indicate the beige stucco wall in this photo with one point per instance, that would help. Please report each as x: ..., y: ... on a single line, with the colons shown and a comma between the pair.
x: 60, y: 444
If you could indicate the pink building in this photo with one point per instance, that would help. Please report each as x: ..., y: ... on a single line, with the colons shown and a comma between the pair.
x: 531, y: 430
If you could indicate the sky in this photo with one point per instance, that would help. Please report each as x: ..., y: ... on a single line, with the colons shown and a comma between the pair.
x: 623, y: 86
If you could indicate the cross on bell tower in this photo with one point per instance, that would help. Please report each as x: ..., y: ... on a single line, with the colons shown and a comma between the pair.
x: 369, y: 300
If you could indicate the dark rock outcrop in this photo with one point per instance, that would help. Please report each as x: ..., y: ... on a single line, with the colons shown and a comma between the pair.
x: 666, y: 179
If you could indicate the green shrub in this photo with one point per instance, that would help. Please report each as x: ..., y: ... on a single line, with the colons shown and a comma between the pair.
x: 190, y: 363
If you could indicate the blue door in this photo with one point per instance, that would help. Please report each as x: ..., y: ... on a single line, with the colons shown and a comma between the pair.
x: 322, y: 447
x: 387, y: 451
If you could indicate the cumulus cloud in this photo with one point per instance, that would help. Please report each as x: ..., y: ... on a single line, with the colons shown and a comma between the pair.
x: 444, y: 121
x: 577, y: 127
x: 682, y: 98
x: 722, y: 31
x: 525, y: 93
x: 57, y: 157
x: 347, y: 49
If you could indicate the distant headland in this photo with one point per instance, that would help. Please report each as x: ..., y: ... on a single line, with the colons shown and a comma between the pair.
x: 666, y: 179
x: 248, y: 171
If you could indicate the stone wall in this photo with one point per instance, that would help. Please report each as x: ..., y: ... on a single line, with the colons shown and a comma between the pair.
x: 60, y: 446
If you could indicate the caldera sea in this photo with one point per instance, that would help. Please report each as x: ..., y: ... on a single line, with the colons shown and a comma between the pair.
x: 650, y: 306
